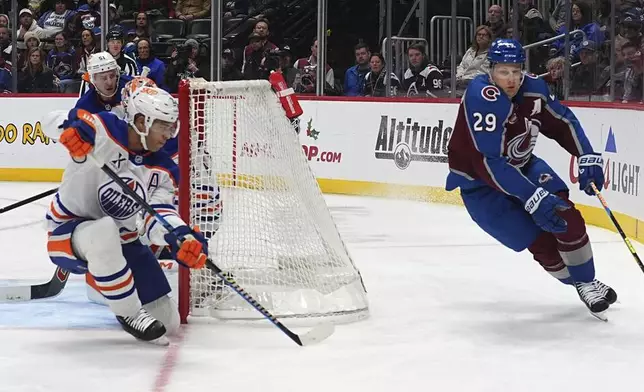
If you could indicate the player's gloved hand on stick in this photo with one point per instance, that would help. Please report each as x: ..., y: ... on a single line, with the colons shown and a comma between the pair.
x: 78, y: 136
x: 543, y: 207
x: 188, y: 246
x: 591, y: 169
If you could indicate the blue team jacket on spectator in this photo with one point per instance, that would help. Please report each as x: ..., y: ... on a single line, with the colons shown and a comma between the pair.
x: 354, y: 81
x: 157, y: 70
x: 5, y: 80
x: 62, y: 63
x: 593, y: 33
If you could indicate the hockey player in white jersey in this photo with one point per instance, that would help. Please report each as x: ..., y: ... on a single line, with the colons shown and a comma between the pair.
x: 92, y: 222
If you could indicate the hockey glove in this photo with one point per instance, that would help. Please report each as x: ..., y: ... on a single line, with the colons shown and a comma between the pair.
x: 591, y: 169
x: 188, y: 246
x: 78, y: 136
x: 544, y: 207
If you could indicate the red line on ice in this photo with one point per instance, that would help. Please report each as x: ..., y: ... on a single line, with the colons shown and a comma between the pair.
x: 169, y: 362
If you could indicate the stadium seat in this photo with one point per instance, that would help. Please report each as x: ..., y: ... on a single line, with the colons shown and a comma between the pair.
x: 199, y: 29
x: 169, y: 28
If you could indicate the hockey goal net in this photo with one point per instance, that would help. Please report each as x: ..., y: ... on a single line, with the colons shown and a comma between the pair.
x: 246, y: 183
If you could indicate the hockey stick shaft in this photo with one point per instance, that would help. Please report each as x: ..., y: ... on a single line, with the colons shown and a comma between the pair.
x: 209, y: 264
x: 617, y: 226
x: 28, y: 200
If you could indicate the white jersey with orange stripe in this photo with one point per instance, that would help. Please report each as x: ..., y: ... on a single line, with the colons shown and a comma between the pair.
x: 87, y: 193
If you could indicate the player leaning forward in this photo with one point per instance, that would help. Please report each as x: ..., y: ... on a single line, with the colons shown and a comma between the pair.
x: 512, y: 194
x: 93, y: 223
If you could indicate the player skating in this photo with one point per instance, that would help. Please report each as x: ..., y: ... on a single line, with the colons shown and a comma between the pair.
x: 92, y: 223
x: 512, y: 194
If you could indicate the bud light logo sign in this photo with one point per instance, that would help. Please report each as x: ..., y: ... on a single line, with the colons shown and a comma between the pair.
x: 115, y: 203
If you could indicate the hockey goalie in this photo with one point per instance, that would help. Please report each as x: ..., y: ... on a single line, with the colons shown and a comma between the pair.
x: 93, y: 223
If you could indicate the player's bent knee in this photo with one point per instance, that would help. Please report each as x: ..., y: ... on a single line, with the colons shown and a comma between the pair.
x: 165, y: 309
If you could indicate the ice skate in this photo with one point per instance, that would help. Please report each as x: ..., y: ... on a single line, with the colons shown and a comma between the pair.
x: 144, y: 327
x: 593, y: 299
x: 606, y: 292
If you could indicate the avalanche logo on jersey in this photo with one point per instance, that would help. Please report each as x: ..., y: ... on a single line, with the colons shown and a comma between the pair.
x: 519, y: 148
x: 117, y: 204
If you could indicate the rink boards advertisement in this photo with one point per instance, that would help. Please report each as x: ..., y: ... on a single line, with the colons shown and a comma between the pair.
x: 394, y: 149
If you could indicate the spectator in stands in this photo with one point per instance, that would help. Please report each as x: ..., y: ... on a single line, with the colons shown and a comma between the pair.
x: 581, y: 20
x: 62, y: 61
x: 146, y: 58
x: 192, y: 9
x: 5, y: 40
x: 258, y: 44
x: 144, y: 28
x: 184, y: 63
x: 533, y: 28
x: 554, y: 77
x: 558, y: 15
x: 633, y: 76
x: 229, y: 69
x: 86, y: 18
x: 4, y: 20
x: 254, y: 54
x: 5, y: 75
x: 586, y: 78
x: 354, y: 77
x: 421, y: 79
x: 630, y: 29
x: 87, y: 48
x: 495, y: 21
x: 53, y: 22
x: 308, y: 70
x: 31, y: 41
x: 474, y: 61
x: 35, y: 77
x: 375, y: 84
x: 113, y: 17
x: 28, y: 24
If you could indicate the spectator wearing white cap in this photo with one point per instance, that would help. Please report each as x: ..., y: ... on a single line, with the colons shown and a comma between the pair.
x: 27, y: 23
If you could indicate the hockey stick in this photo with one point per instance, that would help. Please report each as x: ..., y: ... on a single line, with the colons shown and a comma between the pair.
x: 28, y: 200
x: 314, y: 335
x: 617, y: 226
x: 40, y: 291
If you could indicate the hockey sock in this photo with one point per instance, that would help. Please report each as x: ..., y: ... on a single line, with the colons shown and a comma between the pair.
x: 574, y: 245
x: 545, y: 252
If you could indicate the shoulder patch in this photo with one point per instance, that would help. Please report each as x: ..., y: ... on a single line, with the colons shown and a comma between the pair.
x: 490, y: 93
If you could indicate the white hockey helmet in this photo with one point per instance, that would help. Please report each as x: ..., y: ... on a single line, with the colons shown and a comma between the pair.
x: 155, y: 104
x: 132, y: 86
x: 102, y: 62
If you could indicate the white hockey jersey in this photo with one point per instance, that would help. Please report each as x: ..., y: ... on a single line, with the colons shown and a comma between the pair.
x: 88, y: 193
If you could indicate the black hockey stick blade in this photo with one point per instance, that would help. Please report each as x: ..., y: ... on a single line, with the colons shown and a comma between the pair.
x: 28, y: 200
x: 50, y: 289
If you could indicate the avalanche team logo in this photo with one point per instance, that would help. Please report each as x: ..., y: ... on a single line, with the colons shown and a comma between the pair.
x: 115, y: 203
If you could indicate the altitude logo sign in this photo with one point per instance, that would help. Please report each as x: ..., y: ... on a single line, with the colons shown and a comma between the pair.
x: 407, y: 140
x: 620, y: 176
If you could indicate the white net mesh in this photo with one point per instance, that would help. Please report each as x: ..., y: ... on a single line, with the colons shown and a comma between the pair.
x: 254, y: 195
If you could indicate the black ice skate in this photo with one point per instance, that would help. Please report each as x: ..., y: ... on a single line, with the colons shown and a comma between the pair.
x: 144, y: 327
x: 606, y: 292
x: 592, y: 298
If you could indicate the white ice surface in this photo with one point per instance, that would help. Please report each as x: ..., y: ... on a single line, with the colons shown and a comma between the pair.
x: 450, y: 311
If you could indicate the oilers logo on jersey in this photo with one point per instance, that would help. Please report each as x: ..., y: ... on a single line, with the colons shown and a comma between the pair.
x: 115, y: 203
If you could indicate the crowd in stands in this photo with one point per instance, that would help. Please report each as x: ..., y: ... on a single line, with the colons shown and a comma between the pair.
x: 172, y: 39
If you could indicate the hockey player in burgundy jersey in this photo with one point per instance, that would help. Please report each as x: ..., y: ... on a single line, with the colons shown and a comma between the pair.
x: 508, y: 191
